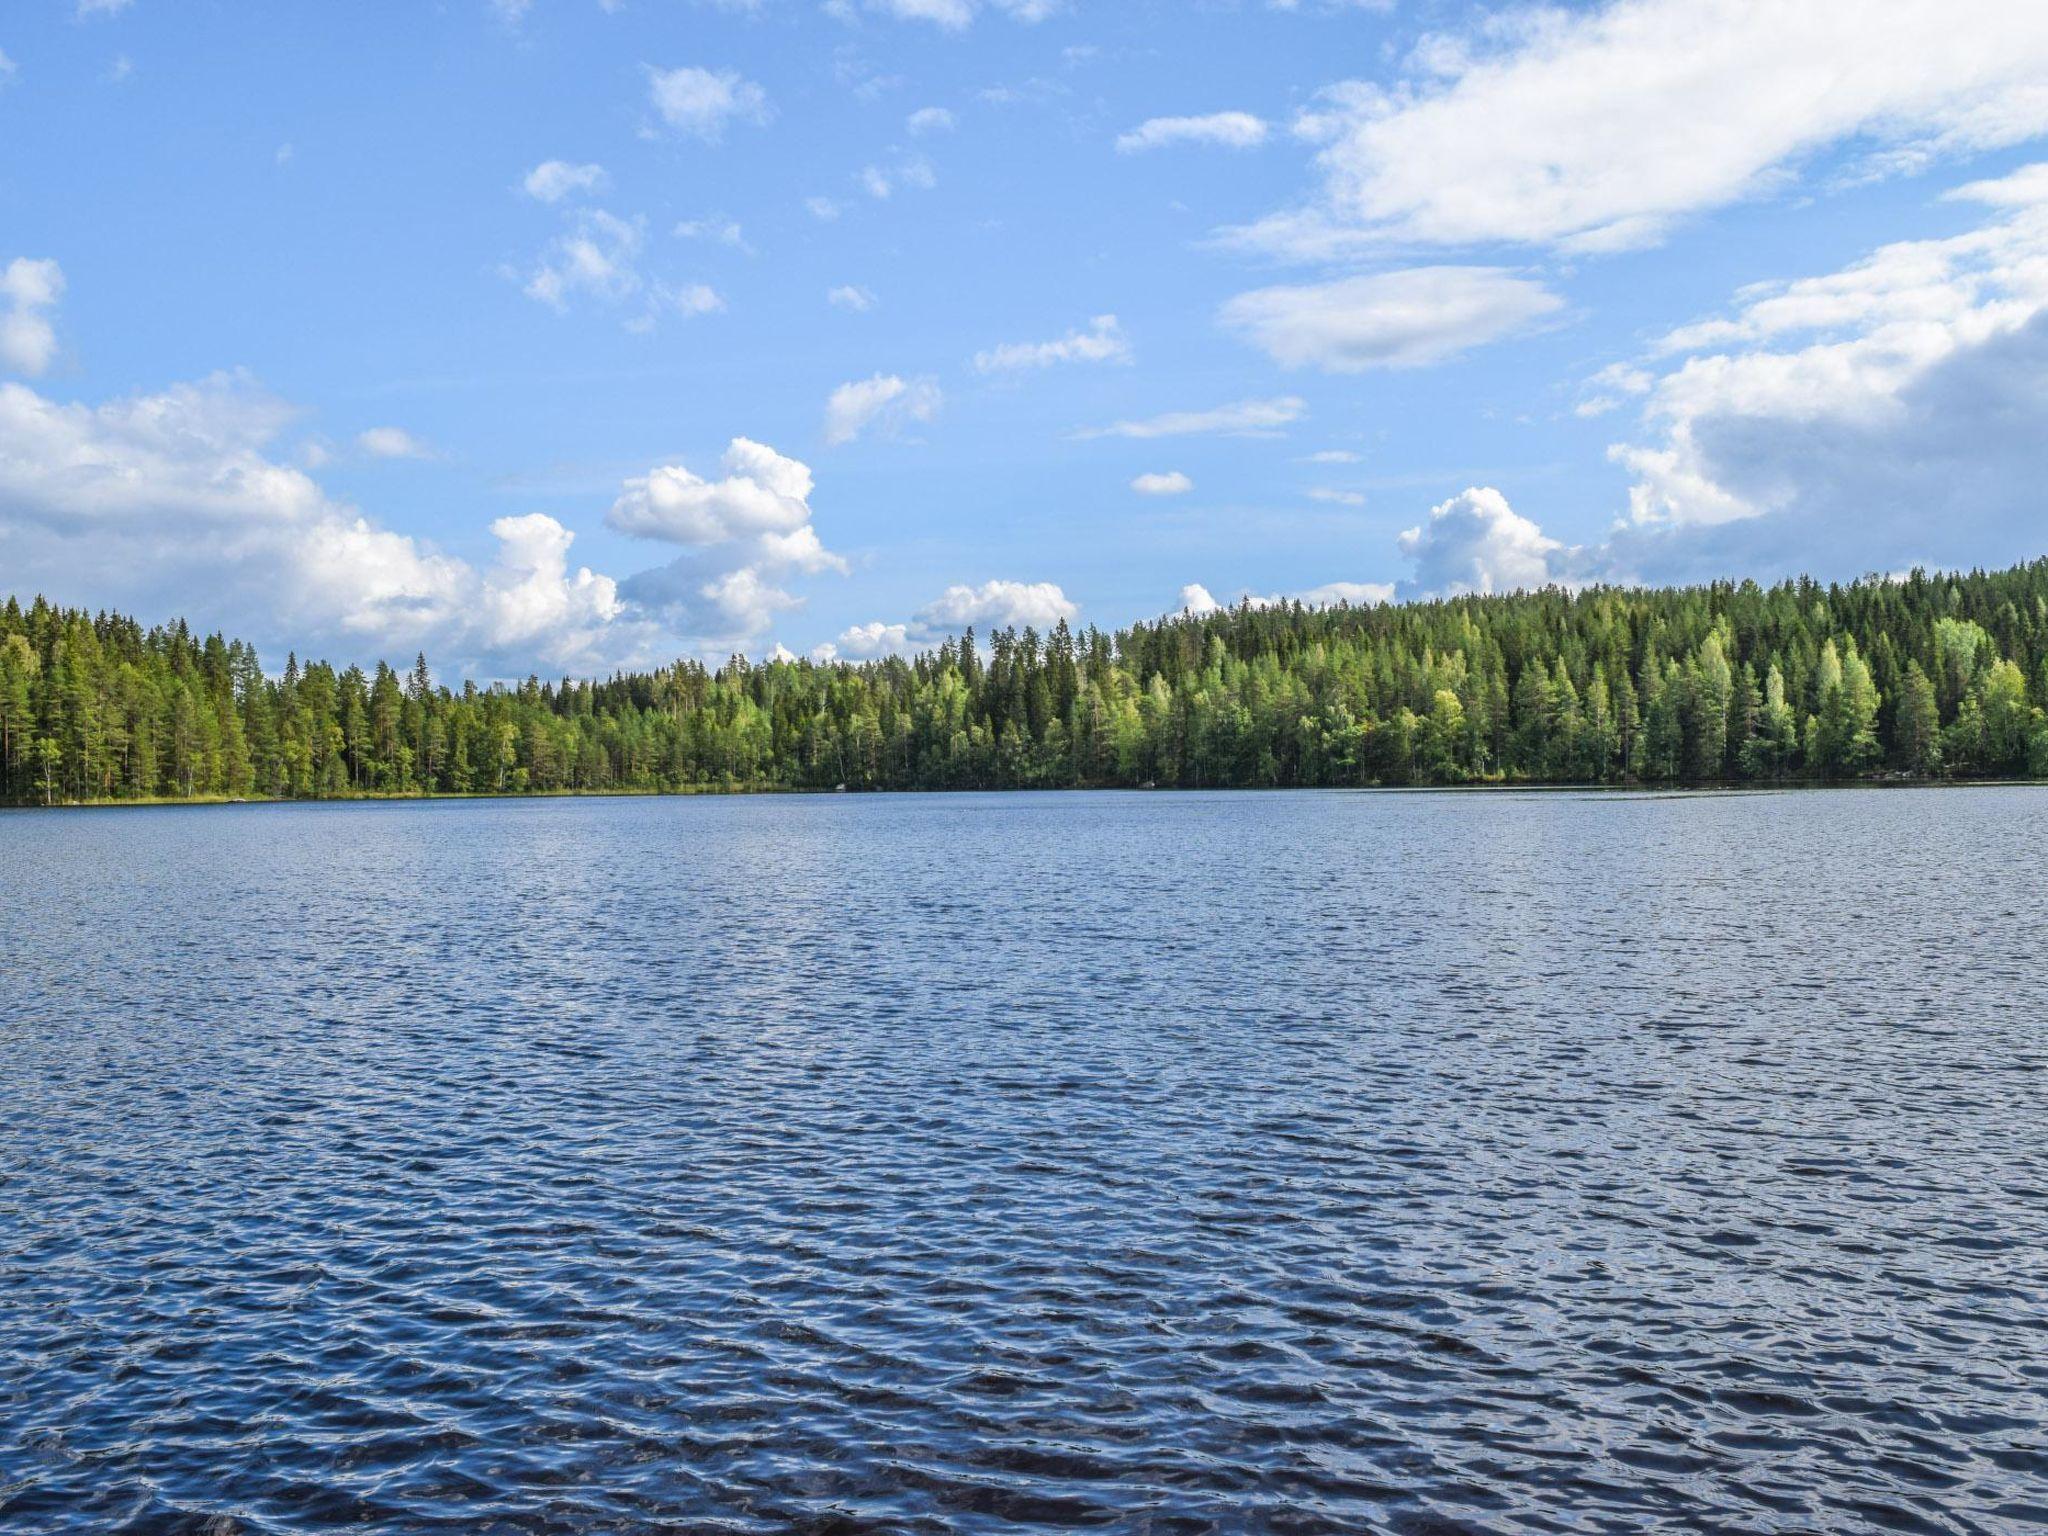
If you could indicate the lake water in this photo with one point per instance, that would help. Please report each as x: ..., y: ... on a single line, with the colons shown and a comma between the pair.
x: 1152, y: 1163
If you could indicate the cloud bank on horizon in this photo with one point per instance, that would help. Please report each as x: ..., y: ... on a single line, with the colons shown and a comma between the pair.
x: 832, y: 332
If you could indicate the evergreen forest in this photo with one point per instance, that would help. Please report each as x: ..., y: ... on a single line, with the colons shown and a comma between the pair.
x: 1926, y: 676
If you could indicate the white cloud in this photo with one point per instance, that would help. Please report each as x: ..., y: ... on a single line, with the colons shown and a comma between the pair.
x: 762, y: 492
x: 1335, y: 497
x: 1196, y: 599
x: 851, y: 296
x: 1334, y: 456
x: 1246, y: 418
x: 1595, y: 129
x: 823, y: 209
x: 956, y: 15
x: 7, y: 67
x: 1888, y: 413
x: 1102, y: 342
x: 993, y: 604
x: 392, y: 443
x: 90, y: 8
x: 1359, y: 594
x: 686, y: 299
x: 1476, y: 542
x: 865, y: 640
x: 1398, y: 319
x: 701, y: 102
x: 1607, y: 388
x: 553, y: 180
x: 882, y: 182
x: 596, y: 256
x: 717, y: 230
x: 741, y: 534
x: 885, y: 402
x: 2023, y: 188
x: 529, y: 597
x: 143, y: 501
x: 31, y: 289
x: 1231, y: 130
x: 1002, y: 604
x: 1169, y: 483
x: 929, y: 120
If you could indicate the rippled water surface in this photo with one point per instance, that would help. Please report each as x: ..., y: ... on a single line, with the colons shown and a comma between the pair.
x: 1157, y: 1163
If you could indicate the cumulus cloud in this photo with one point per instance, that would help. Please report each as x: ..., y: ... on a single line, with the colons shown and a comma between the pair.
x: 1402, y: 319
x: 142, y: 501
x: 530, y: 598
x: 742, y: 534
x: 1102, y: 341
x: 1882, y: 416
x: 392, y: 443
x: 702, y: 102
x: 1231, y: 130
x: 862, y: 641
x: 1890, y: 412
x: 761, y: 492
x: 30, y: 290
x: 1595, y: 129
x: 884, y: 402
x: 929, y: 120
x: 1476, y: 542
x: 1195, y: 599
x: 992, y: 605
x: 1245, y: 418
x: 1170, y: 483
x: 1001, y: 604
x: 851, y: 296
x: 553, y: 180
x: 1359, y: 594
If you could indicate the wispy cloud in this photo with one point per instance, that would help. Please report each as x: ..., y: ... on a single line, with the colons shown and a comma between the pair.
x: 1245, y: 418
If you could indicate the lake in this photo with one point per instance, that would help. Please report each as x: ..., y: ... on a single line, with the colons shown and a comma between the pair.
x: 1141, y: 1162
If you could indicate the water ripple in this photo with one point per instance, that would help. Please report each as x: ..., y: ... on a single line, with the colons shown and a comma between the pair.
x: 1163, y: 1164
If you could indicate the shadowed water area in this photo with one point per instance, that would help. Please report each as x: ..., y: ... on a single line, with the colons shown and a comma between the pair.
x: 1152, y: 1163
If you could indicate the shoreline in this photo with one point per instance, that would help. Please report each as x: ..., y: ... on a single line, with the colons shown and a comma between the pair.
x: 1674, y: 787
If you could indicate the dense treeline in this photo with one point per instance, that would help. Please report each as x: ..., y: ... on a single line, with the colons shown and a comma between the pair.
x: 1927, y: 676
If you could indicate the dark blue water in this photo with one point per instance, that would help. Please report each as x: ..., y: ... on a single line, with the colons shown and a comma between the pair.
x: 1152, y: 1163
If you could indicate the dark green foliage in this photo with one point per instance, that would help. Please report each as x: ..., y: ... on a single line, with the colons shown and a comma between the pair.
x: 1927, y: 675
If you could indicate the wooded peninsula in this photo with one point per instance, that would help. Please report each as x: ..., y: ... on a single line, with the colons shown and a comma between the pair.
x: 1926, y: 676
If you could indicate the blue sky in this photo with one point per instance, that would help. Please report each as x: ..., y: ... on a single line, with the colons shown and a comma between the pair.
x: 567, y: 335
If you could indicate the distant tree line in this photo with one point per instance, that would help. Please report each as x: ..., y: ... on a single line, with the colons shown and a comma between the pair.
x: 1927, y: 676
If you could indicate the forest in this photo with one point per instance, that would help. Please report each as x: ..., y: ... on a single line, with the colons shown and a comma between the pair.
x: 1925, y: 676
